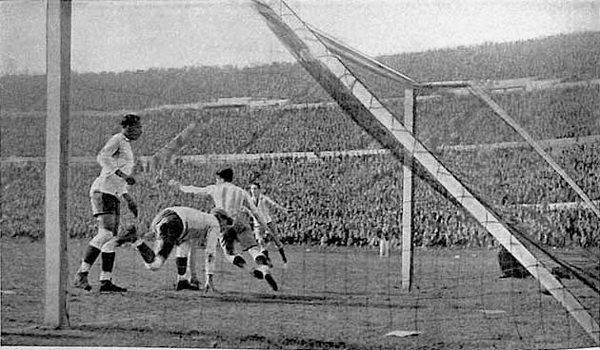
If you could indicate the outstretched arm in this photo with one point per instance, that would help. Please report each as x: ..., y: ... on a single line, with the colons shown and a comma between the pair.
x: 191, y: 189
x: 274, y: 204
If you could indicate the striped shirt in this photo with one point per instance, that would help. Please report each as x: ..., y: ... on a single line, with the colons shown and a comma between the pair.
x: 264, y: 205
x: 228, y: 197
x: 116, y: 154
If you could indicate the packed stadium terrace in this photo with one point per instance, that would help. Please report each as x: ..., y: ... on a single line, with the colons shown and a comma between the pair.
x: 351, y: 200
x: 341, y: 200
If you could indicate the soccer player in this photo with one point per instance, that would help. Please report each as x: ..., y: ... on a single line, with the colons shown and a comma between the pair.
x: 182, y: 228
x: 384, y: 241
x: 231, y: 199
x: 263, y: 236
x: 116, y: 159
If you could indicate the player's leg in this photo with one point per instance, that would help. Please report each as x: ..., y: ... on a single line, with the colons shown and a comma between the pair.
x: 275, y: 237
x: 262, y: 270
x: 249, y: 244
x: 192, y: 259
x: 227, y: 242
x: 110, y: 222
x: 182, y: 252
x: 168, y: 227
x: 107, y: 255
x: 103, y: 209
x: 262, y: 239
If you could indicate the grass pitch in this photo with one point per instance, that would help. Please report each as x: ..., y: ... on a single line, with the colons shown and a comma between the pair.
x: 328, y: 298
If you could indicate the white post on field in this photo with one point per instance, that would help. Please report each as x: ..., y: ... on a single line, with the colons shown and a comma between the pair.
x: 58, y: 75
x: 408, y: 195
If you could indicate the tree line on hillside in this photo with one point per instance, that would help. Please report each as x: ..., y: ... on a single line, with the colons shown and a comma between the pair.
x: 571, y: 57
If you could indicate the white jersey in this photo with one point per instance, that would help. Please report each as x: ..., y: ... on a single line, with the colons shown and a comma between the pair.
x: 197, y: 225
x: 264, y: 205
x: 116, y: 154
x: 228, y: 197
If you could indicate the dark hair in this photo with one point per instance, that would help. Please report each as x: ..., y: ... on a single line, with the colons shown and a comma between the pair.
x: 257, y: 184
x: 226, y: 174
x: 129, y: 120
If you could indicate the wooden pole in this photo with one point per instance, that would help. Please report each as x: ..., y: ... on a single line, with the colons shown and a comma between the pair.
x: 58, y: 73
x: 408, y: 196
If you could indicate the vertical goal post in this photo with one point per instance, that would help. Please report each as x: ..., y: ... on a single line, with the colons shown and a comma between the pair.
x: 58, y: 75
x: 410, y: 106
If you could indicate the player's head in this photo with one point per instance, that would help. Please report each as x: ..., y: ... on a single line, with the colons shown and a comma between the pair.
x: 255, y: 188
x: 132, y: 126
x: 221, y: 215
x: 225, y: 175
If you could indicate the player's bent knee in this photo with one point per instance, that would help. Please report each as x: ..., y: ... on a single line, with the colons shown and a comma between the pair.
x: 183, y: 250
x: 101, y: 238
x: 109, y: 247
x: 109, y: 222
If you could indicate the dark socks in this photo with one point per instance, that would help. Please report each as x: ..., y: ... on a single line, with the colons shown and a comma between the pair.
x: 146, y: 253
x: 91, y: 254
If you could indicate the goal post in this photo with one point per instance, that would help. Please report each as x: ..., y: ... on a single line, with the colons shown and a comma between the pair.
x: 58, y: 72
x: 367, y: 111
x: 410, y: 100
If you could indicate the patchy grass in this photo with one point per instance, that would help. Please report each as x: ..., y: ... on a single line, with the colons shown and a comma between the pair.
x: 330, y: 298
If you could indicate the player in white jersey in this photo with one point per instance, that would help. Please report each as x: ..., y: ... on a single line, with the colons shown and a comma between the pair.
x: 116, y: 159
x: 182, y: 228
x: 264, y: 236
x: 232, y: 199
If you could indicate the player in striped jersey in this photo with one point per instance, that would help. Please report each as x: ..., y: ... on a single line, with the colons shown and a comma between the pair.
x: 232, y: 199
x: 116, y: 159
x: 264, y: 236
x: 182, y: 228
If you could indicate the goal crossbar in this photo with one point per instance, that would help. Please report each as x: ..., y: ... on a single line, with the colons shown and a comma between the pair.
x: 368, y: 112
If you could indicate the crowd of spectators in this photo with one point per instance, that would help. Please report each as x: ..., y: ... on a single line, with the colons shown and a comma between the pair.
x: 341, y: 200
x: 352, y: 200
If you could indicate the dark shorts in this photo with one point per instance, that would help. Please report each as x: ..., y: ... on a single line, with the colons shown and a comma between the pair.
x: 239, y: 232
x: 104, y: 203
